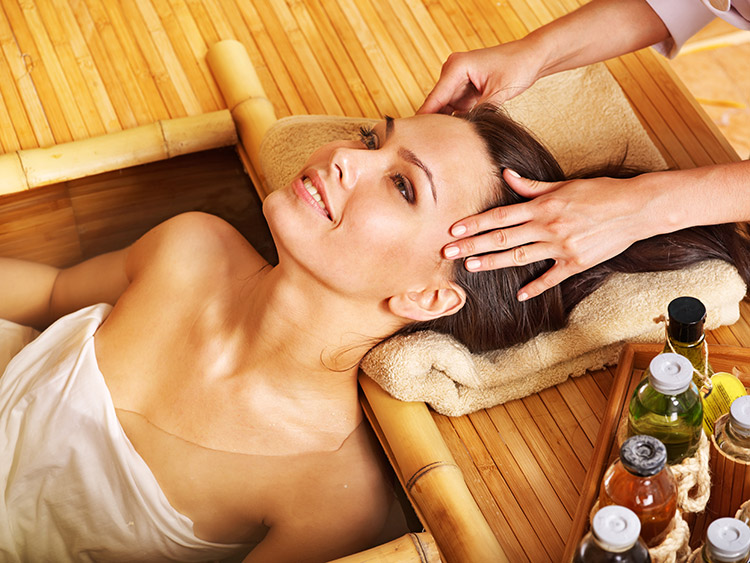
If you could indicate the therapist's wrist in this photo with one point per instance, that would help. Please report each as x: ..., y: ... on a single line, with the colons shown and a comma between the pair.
x: 663, y: 208
x: 541, y: 55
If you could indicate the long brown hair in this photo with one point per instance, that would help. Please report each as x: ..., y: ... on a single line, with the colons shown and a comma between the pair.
x: 492, y: 317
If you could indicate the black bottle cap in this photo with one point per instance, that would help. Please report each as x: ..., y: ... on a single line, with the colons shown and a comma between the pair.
x: 686, y: 318
x: 643, y: 455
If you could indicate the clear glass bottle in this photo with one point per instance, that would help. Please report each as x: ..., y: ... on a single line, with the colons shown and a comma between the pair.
x: 667, y: 406
x: 732, y: 430
x: 614, y: 538
x: 641, y: 481
x: 727, y: 541
x: 685, y: 336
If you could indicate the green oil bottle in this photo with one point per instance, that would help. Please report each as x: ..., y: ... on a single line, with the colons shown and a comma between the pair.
x: 666, y: 405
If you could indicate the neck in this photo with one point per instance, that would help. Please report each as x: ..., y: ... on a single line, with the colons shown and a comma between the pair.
x: 307, y: 340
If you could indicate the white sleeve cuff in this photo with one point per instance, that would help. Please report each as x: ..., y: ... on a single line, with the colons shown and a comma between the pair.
x: 683, y: 20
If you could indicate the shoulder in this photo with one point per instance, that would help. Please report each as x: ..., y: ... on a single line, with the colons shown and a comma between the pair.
x: 191, y: 243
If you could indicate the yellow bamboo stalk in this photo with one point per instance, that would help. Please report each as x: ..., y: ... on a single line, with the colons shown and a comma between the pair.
x: 432, y: 479
x: 122, y: 149
x: 410, y: 548
x: 207, y: 131
x: 234, y: 72
x: 244, y: 95
x: 12, y: 178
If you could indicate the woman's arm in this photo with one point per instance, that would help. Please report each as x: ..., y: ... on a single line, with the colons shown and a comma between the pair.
x: 36, y: 294
x: 597, y: 31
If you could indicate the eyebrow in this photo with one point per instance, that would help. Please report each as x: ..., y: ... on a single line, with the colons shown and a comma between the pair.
x: 409, y: 156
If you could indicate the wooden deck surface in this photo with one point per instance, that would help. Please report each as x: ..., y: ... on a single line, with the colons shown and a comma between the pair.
x: 73, y: 69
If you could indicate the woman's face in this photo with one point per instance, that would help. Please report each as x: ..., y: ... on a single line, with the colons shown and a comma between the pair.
x: 369, y: 217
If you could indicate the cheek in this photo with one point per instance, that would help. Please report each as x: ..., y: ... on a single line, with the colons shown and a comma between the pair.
x: 395, y: 246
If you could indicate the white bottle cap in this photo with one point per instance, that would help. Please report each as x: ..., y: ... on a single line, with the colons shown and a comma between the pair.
x: 670, y: 373
x: 739, y: 413
x: 728, y: 539
x: 616, y: 528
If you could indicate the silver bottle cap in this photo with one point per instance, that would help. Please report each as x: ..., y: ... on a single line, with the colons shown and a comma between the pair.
x: 616, y: 528
x: 670, y: 373
x: 728, y: 539
x: 739, y: 413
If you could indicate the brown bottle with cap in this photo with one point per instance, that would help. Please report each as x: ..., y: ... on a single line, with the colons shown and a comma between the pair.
x: 642, y: 481
x: 686, y: 336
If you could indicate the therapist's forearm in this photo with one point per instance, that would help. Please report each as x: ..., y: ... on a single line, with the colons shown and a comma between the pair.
x: 679, y: 199
x: 597, y: 31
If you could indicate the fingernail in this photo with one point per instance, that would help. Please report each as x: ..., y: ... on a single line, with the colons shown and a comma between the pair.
x: 472, y: 264
x: 513, y: 173
x: 523, y: 296
x: 458, y: 230
x: 450, y: 251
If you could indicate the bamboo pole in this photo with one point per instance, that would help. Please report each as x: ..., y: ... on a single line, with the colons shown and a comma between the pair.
x: 432, y: 479
x: 32, y: 168
x: 244, y: 95
x: 12, y: 178
x: 409, y: 548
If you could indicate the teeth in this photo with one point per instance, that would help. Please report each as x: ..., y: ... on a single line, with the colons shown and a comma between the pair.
x: 313, y: 192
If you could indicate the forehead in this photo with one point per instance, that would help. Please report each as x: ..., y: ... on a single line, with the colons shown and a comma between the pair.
x: 451, y: 149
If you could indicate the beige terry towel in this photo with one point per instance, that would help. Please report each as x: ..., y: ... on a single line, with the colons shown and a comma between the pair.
x: 437, y: 369
x: 585, y: 120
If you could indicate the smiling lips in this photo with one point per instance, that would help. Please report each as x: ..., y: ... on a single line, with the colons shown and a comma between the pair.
x: 312, y: 190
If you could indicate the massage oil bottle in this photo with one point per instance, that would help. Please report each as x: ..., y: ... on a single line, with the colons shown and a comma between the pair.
x: 614, y: 538
x: 641, y: 481
x: 727, y: 541
x: 667, y: 406
x: 685, y: 336
x: 732, y: 430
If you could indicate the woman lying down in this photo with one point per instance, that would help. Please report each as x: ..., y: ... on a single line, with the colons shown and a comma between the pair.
x: 189, y: 401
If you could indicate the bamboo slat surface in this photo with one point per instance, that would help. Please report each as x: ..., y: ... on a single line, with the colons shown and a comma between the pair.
x: 75, y: 69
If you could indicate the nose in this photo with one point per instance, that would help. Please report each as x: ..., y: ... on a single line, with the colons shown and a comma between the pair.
x: 349, y: 164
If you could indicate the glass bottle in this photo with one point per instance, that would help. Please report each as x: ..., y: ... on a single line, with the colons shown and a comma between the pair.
x: 685, y: 336
x: 727, y: 541
x: 732, y: 430
x: 667, y: 406
x: 614, y: 538
x: 641, y: 481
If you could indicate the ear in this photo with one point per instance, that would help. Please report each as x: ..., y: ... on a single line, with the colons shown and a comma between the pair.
x: 428, y: 304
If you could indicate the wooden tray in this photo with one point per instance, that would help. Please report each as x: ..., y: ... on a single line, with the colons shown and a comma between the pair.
x: 633, y: 362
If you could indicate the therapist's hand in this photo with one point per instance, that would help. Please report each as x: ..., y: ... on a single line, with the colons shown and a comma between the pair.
x: 576, y: 223
x: 494, y: 74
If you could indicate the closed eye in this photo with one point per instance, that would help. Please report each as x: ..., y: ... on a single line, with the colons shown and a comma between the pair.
x: 369, y: 138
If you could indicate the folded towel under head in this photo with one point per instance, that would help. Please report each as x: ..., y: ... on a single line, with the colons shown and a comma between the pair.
x: 583, y: 117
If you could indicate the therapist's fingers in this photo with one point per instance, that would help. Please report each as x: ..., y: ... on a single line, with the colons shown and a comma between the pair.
x: 517, y: 256
x: 455, y: 90
x: 529, y: 188
x: 452, y: 93
x: 493, y: 241
x: 549, y: 279
x: 495, y: 218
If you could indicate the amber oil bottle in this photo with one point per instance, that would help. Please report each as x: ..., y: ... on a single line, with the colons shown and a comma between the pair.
x: 641, y: 481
